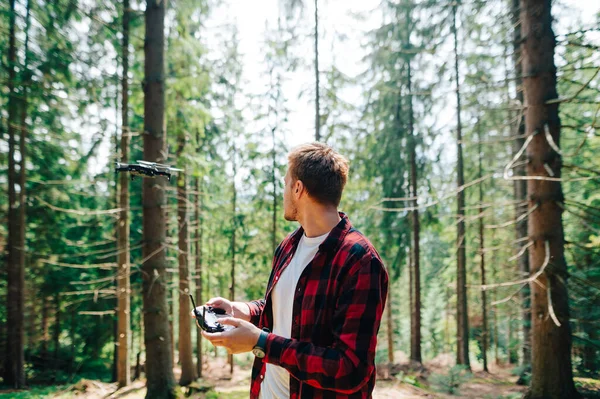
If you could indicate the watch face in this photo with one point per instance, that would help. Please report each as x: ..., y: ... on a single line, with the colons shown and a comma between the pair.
x: 258, y: 353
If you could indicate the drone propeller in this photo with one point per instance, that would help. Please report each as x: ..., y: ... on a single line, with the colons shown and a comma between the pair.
x: 146, y: 163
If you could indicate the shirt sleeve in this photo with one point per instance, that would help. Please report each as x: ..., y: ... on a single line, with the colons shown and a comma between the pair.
x: 348, y: 364
x: 256, y: 308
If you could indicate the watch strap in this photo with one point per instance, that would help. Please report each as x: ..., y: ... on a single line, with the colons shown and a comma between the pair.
x: 262, y: 339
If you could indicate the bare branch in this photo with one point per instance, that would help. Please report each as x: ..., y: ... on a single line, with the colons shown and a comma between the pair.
x: 87, y: 212
x: 550, y: 307
x: 96, y: 313
x: 508, y: 298
x: 430, y: 204
x: 527, y: 280
x: 104, y: 266
x: 521, y: 252
x: 517, y: 220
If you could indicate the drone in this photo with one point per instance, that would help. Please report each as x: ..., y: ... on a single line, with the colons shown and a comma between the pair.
x: 143, y: 168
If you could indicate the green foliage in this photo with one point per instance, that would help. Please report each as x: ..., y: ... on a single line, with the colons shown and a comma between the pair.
x: 33, y: 392
x: 451, y: 382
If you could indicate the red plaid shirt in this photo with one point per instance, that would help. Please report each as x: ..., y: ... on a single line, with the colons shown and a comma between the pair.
x: 337, y: 310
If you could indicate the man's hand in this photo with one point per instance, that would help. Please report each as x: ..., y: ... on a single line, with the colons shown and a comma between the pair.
x: 221, y: 303
x: 239, y: 340
x: 238, y: 310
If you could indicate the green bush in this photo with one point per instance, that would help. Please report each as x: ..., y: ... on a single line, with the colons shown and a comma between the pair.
x: 451, y: 382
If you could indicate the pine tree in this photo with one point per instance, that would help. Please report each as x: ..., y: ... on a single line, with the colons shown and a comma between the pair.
x: 123, y: 271
x: 462, y: 316
x: 552, y: 375
x: 14, y: 373
x: 157, y: 338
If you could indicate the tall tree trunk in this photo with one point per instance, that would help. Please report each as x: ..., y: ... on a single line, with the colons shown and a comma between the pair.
x: 45, y: 332
x: 513, y: 356
x: 186, y: 354
x: 233, y: 231
x: 57, y: 328
x: 157, y: 338
x: 390, y: 328
x: 495, y: 315
x: 317, y: 96
x: 462, y: 316
x: 274, y: 182
x: 590, y: 359
x: 415, y: 313
x: 199, y: 287
x: 14, y: 373
x: 73, y: 345
x: 123, y: 282
x: 21, y: 240
x: 552, y: 375
x: 447, y: 321
x: 484, y: 327
x: 115, y: 319
x: 138, y: 368
x: 173, y: 293
x: 520, y: 190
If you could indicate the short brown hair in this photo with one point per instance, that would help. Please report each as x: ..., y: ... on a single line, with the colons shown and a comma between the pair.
x: 322, y: 170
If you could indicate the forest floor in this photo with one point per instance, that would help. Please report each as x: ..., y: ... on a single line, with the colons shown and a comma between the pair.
x: 405, y: 384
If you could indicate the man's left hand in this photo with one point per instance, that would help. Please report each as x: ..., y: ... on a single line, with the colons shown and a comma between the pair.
x: 238, y: 340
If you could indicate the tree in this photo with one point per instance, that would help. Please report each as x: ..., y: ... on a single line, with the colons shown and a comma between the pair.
x: 123, y: 283
x: 520, y: 188
x: 415, y: 273
x: 552, y: 375
x: 462, y: 316
x: 317, y: 108
x: 484, y: 327
x: 14, y: 373
x: 292, y: 5
x: 199, y: 215
x: 157, y: 338
x: 233, y: 232
x: 185, y: 334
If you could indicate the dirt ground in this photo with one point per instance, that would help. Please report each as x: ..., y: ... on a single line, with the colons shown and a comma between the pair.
x: 498, y: 384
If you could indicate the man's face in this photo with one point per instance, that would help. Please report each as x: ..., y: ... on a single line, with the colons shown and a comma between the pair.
x: 290, y: 209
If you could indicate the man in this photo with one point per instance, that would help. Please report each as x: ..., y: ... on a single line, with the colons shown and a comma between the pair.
x: 325, y: 297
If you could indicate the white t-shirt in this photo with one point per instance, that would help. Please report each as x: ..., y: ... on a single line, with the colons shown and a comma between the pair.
x: 276, y: 384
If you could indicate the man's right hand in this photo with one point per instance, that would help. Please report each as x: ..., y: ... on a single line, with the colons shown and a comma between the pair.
x: 238, y: 310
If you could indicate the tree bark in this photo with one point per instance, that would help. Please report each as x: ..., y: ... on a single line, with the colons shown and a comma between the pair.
x: 56, y: 337
x: 462, y: 316
x: 317, y: 96
x: 390, y: 328
x: 186, y: 355
x: 484, y: 327
x: 552, y: 375
x: 274, y: 182
x: 199, y: 215
x: 21, y: 240
x: 123, y: 282
x: 171, y: 301
x: 233, y: 231
x: 415, y: 314
x: 45, y: 332
x: 14, y: 372
x: 520, y: 191
x: 157, y: 338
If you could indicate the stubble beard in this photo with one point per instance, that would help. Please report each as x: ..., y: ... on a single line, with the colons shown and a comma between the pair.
x: 292, y: 215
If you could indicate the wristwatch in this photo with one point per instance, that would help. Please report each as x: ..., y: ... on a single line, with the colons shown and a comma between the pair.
x: 259, y: 348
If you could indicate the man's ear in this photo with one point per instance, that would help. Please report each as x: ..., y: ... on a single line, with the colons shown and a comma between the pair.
x: 299, y: 186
